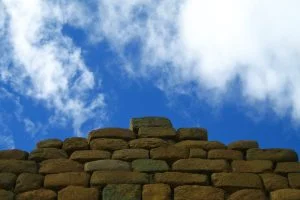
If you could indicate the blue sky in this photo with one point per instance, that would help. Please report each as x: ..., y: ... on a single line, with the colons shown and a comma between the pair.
x: 69, y: 67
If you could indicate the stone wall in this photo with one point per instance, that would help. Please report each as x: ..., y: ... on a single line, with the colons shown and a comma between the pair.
x: 150, y: 161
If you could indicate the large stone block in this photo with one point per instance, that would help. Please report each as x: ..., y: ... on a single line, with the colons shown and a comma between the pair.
x: 78, y: 193
x: 106, y: 165
x: 243, y: 145
x: 75, y: 143
x: 200, y: 165
x: 136, y: 123
x: 117, y: 133
x: 288, y: 167
x: 156, y: 192
x: 198, y: 153
x: 294, y: 180
x: 273, y: 181
x: 192, y: 134
x: 252, y: 166
x: 54, y: 166
x: 6, y: 195
x: 18, y: 166
x: 100, y: 178
x: 122, y: 191
x: 130, y: 154
x: 50, y: 143
x: 108, y: 144
x: 179, y: 178
x: 275, y: 154
x: 14, y: 154
x: 40, y: 194
x: 169, y: 153
x: 149, y: 165
x: 147, y: 143
x: 227, y: 154
x: 156, y: 132
x: 196, y: 192
x: 27, y: 181
x: 7, y: 181
x: 285, y: 194
x: 41, y: 154
x: 206, y: 145
x: 83, y: 156
x: 58, y: 181
x: 248, y: 194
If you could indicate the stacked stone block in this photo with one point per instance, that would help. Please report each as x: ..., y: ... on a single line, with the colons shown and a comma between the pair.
x: 149, y: 161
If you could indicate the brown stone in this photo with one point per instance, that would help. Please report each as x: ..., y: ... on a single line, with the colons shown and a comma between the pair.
x: 273, y: 181
x: 294, y: 180
x: 136, y: 123
x: 179, y: 178
x: 252, y: 166
x: 156, y: 132
x: 14, y: 154
x: 100, y: 178
x: 54, y: 166
x: 7, y: 181
x: 169, y: 153
x: 108, y: 144
x: 83, y: 156
x: 192, y: 134
x: 288, y: 167
x: 243, y: 145
x: 200, y: 165
x: 149, y: 165
x: 78, y: 193
x: 40, y: 194
x: 106, y: 165
x: 232, y: 182
x: 117, y: 133
x: 41, y: 154
x: 227, y: 154
x: 130, y: 154
x: 156, y: 192
x: 18, y: 166
x: 61, y: 180
x: 285, y: 194
x: 196, y: 192
x: 147, y: 143
x: 275, y: 154
x: 50, y: 143
x: 206, y: 145
x: 198, y: 153
x: 248, y: 194
x: 28, y: 181
x: 6, y: 195
x: 75, y: 143
x: 122, y: 192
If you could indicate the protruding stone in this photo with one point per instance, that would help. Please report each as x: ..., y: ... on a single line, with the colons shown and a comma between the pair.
x: 193, y: 192
x: 54, y: 166
x: 156, y: 192
x: 206, y: 145
x: 18, y: 166
x: 192, y: 134
x: 136, y: 123
x: 75, y: 143
x: 117, y: 133
x: 149, y: 165
x: 147, y: 143
x: 14, y: 154
x: 106, y: 165
x: 37, y: 195
x: 273, y: 181
x: 252, y: 166
x: 130, y: 154
x: 294, y: 180
x: 285, y: 194
x: 288, y: 167
x: 108, y: 144
x: 179, y: 178
x: 100, y: 178
x: 122, y: 191
x: 156, y: 132
x: 169, y: 153
x: 275, y: 154
x: 227, y: 154
x: 200, y: 165
x: 248, y: 194
x: 243, y: 145
x: 83, y: 156
x: 41, y: 154
x: 50, y: 143
x: 7, y: 181
x: 6, y: 195
x: 28, y: 181
x: 61, y: 180
x: 198, y: 153
x: 78, y: 193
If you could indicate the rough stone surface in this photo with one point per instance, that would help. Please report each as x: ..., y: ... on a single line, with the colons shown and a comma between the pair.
x: 28, y: 181
x: 106, y: 165
x: 227, y: 154
x: 41, y: 154
x: 136, y: 123
x: 179, y: 178
x: 273, y: 181
x: 288, y: 167
x: 75, y: 143
x: 14, y: 154
x: 122, y: 191
x: 198, y: 153
x: 252, y: 166
x: 147, y: 143
x: 243, y: 145
x: 108, y: 144
x: 40, y: 194
x: 117, y: 133
x: 275, y: 154
x: 248, y: 194
x: 50, y: 143
x: 99, y: 178
x: 78, y: 193
x: 200, y: 165
x: 156, y: 192
x: 58, y: 181
x: 206, y: 145
x: 285, y: 194
x: 156, y: 132
x: 294, y: 180
x: 6, y: 195
x: 130, y: 154
x: 169, y: 153
x: 83, y: 156
x: 149, y: 165
x: 192, y: 134
x: 7, y: 180
x: 235, y: 181
x: 54, y: 166
x: 195, y: 192
x: 18, y: 166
